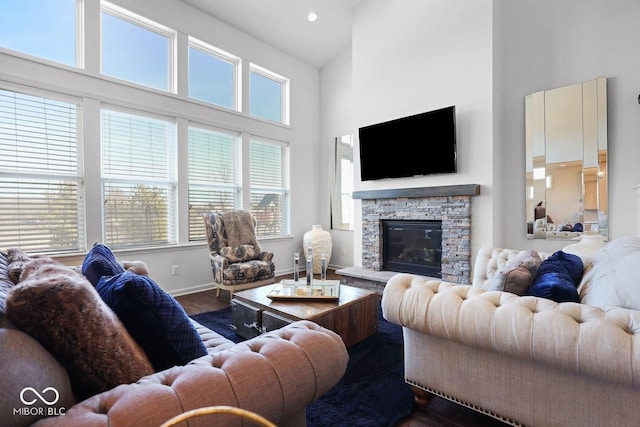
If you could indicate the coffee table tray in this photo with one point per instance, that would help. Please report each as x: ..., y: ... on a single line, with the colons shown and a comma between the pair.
x: 320, y: 290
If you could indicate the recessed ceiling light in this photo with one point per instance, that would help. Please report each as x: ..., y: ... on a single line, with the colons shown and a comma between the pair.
x: 312, y: 17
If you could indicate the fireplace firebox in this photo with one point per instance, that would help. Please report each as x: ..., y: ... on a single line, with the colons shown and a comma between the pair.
x: 412, y: 246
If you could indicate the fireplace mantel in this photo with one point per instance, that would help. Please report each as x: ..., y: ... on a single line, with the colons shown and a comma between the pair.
x: 437, y: 191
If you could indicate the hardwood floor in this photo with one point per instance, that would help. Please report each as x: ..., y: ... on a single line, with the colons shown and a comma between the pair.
x: 438, y: 413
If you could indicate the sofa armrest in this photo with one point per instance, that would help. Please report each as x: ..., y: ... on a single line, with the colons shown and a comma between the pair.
x: 571, y: 336
x: 275, y: 375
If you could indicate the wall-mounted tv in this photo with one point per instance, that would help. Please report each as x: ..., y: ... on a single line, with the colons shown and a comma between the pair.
x: 422, y: 144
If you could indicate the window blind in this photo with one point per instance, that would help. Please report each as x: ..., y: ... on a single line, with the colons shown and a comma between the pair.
x: 41, y: 186
x: 139, y: 180
x: 269, y: 187
x: 214, y: 180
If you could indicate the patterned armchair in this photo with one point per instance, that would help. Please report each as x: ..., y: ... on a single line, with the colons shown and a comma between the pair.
x: 237, y: 260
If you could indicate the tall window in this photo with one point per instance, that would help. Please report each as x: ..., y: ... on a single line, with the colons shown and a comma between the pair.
x: 214, y: 179
x: 43, y: 28
x: 212, y: 75
x: 41, y: 192
x: 136, y: 49
x: 138, y: 179
x: 269, y: 186
x: 268, y: 95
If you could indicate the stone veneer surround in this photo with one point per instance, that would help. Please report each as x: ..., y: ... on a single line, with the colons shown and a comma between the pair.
x: 449, y: 204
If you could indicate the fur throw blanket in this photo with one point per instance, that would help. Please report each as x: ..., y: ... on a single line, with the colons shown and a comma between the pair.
x: 240, y: 228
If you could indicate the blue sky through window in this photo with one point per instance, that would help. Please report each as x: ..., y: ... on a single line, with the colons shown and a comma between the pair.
x: 265, y: 97
x: 210, y: 78
x: 134, y: 53
x: 44, y: 28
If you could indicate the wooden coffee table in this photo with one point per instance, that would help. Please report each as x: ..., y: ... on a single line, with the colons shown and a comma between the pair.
x: 354, y: 316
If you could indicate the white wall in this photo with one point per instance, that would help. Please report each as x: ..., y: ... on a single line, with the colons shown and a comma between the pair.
x: 420, y: 55
x: 336, y: 107
x: 546, y: 44
x: 302, y: 134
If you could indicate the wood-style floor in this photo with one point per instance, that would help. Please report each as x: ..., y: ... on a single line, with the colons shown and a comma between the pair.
x: 439, y: 412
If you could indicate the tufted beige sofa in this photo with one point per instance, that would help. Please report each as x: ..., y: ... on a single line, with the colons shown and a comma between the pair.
x: 524, y: 360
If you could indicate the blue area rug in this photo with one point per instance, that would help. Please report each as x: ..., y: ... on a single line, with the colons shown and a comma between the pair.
x: 371, y: 393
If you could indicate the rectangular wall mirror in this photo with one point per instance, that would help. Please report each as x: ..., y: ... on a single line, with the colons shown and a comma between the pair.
x: 566, y: 161
x: 342, y: 184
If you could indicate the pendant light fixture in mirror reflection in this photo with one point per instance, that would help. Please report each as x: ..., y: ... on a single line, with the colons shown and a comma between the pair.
x: 342, y: 210
x: 566, y: 161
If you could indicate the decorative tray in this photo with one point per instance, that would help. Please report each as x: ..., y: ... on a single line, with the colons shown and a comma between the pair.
x: 322, y: 290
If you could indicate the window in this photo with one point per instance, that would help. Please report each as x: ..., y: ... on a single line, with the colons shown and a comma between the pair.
x: 136, y: 49
x: 212, y: 75
x: 269, y: 186
x: 41, y: 183
x: 214, y: 178
x: 138, y: 180
x: 268, y: 95
x: 43, y: 28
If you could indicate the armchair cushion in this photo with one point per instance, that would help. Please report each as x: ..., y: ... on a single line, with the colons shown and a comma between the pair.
x: 239, y: 253
x: 153, y: 318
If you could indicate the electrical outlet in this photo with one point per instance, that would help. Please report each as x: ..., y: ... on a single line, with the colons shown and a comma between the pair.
x: 175, y: 269
x: 343, y: 252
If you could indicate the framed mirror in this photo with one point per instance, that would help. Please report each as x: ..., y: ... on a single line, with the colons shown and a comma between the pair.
x: 566, y: 161
x: 342, y: 215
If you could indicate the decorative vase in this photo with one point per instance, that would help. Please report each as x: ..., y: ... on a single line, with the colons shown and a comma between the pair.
x: 319, y: 241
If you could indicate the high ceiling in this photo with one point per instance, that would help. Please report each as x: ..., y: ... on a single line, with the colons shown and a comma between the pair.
x: 283, y: 24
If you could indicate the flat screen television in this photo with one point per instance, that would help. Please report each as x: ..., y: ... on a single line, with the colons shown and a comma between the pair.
x: 422, y: 144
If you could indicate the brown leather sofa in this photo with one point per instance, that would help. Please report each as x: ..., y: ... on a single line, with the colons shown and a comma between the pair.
x: 275, y: 375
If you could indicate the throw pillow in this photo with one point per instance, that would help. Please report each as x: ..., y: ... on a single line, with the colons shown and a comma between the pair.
x: 62, y: 311
x: 16, y: 258
x: 5, y: 283
x: 100, y: 262
x: 153, y: 318
x: 517, y: 274
x: 240, y: 228
x: 557, y: 278
x: 239, y: 253
x: 612, y: 280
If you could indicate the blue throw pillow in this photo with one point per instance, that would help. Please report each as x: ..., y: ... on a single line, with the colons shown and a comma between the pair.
x: 154, y: 319
x: 557, y: 278
x: 100, y: 262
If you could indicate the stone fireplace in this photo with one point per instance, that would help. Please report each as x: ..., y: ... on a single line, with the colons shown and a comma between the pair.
x: 448, y: 205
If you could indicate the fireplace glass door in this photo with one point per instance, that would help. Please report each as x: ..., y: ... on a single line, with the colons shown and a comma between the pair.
x: 412, y: 247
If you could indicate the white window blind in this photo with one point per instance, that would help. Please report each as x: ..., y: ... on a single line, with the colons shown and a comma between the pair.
x: 139, y: 180
x: 41, y: 183
x: 214, y: 181
x: 269, y: 187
